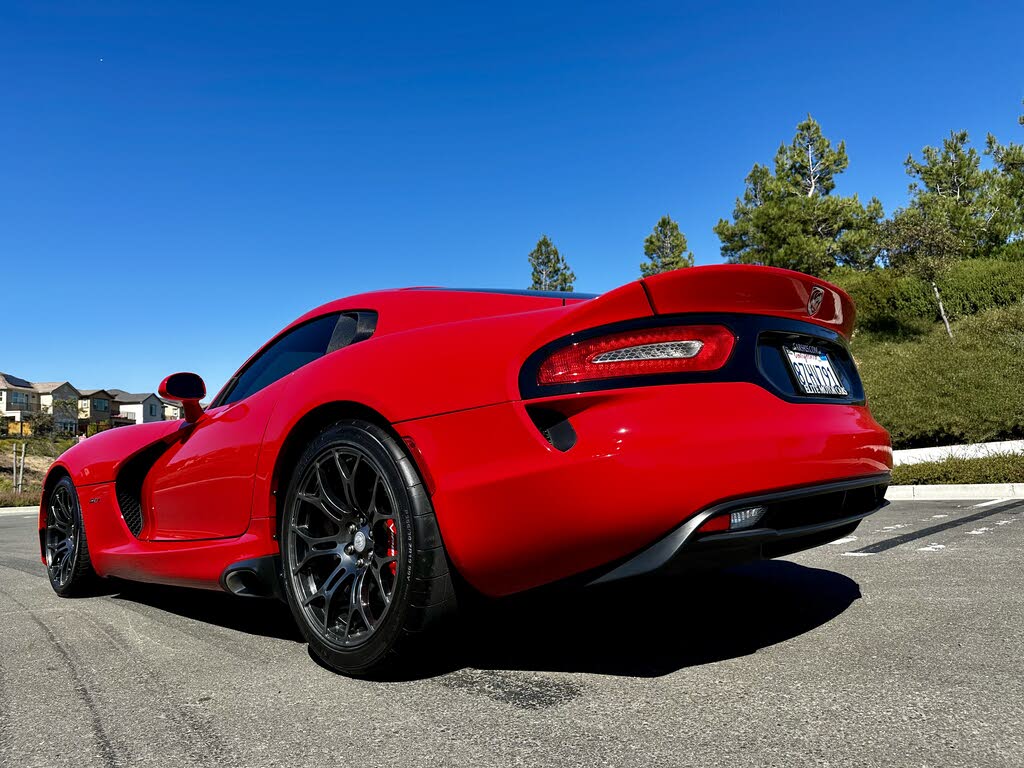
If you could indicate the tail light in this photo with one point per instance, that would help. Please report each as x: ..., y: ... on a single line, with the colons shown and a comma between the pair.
x: 737, y: 520
x: 672, y: 349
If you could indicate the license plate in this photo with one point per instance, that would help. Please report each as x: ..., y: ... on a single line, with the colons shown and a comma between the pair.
x: 814, y: 372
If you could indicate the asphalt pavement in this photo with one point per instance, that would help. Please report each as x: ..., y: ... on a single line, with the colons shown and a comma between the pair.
x: 899, y: 646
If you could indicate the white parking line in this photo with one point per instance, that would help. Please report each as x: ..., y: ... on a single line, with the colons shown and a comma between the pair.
x: 990, y: 503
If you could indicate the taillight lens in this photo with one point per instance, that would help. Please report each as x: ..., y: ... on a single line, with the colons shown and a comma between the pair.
x: 672, y: 349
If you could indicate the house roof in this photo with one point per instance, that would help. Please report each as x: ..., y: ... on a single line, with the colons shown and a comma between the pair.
x: 47, y: 387
x: 6, y: 381
x: 94, y: 392
x: 129, y: 398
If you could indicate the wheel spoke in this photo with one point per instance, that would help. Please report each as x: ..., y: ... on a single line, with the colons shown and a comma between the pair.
x: 348, y: 479
x: 355, y: 604
x: 310, y: 556
x: 330, y: 584
x: 375, y: 514
x: 324, y: 501
x: 314, y: 541
x: 375, y: 568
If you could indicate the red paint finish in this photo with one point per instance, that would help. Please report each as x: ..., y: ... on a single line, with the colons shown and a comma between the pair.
x: 751, y: 290
x: 518, y: 513
x: 442, y: 368
x: 115, y: 552
x: 201, y: 488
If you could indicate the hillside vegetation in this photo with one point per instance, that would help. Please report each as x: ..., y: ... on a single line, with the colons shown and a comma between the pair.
x: 987, y: 469
x: 900, y: 305
x: 39, y: 455
x: 931, y: 390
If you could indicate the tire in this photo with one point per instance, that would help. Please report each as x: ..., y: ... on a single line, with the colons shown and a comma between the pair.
x: 65, y: 546
x: 364, y: 569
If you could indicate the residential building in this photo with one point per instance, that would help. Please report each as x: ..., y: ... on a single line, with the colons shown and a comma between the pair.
x: 60, y: 392
x: 17, y: 398
x: 94, y: 407
x: 141, y: 408
x: 20, y: 399
x: 172, y: 410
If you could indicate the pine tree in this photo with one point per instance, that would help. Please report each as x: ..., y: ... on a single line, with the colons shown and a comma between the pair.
x: 550, y: 270
x: 949, y: 185
x: 666, y: 249
x: 1004, y: 201
x: 791, y: 218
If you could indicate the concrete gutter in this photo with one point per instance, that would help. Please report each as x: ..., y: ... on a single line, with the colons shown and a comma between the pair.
x: 971, y: 451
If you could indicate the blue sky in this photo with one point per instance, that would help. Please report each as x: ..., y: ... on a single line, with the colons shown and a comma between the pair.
x: 180, y: 180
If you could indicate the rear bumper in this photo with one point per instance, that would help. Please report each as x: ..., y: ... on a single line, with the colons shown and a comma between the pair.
x: 516, y: 512
x: 797, y: 519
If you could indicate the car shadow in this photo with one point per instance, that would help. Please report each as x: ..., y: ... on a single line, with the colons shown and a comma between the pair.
x: 253, y: 616
x: 657, y: 625
x: 638, y: 628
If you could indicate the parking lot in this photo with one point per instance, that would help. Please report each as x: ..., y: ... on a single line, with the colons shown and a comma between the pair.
x: 900, y: 646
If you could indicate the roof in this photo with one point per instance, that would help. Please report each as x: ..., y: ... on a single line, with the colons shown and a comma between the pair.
x: 6, y: 380
x: 513, y: 292
x: 129, y: 398
x: 93, y: 392
x: 117, y: 392
x: 47, y: 387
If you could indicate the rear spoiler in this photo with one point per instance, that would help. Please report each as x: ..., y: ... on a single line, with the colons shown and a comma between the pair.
x: 751, y: 290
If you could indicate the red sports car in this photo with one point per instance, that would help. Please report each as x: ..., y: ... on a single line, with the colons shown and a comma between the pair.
x: 384, y: 445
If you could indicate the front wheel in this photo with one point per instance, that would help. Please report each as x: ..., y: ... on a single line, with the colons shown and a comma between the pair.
x: 363, y: 564
x: 64, y: 543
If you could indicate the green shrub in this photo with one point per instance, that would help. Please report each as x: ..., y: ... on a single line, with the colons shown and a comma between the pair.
x: 936, y: 391
x: 1008, y: 468
x: 901, y: 305
x: 12, y: 499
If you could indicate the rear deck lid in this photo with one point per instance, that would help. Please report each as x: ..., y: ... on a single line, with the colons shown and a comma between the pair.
x: 752, y: 290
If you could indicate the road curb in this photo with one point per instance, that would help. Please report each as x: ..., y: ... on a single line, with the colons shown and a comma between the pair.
x: 907, y: 456
x: 4, y: 511
x: 955, y: 492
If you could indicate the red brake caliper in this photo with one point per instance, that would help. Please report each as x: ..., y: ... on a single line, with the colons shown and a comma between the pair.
x: 392, y: 546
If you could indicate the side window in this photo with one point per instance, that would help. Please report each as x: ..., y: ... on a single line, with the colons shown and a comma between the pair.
x: 295, y: 349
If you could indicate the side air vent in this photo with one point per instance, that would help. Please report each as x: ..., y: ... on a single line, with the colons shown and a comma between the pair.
x: 131, y: 509
x: 128, y: 486
x: 554, y: 427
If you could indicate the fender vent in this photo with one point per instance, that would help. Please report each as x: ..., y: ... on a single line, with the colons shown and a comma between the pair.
x: 131, y: 509
x: 554, y: 427
x: 128, y: 486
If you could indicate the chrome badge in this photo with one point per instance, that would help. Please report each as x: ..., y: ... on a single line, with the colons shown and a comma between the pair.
x: 814, y: 303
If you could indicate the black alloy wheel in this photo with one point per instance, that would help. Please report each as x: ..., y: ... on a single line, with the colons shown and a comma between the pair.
x: 362, y: 559
x: 64, y: 543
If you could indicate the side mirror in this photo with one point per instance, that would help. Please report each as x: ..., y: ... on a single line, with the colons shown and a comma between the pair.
x: 188, y: 389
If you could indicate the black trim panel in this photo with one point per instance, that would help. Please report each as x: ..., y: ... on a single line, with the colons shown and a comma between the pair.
x: 757, y: 357
x: 129, y: 481
x: 681, y: 547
